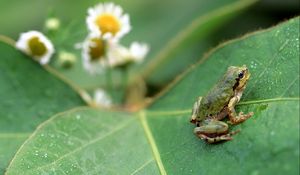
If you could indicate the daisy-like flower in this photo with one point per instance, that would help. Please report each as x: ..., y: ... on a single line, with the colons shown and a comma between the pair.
x: 119, y: 56
x: 93, y: 53
x: 36, y: 45
x: 108, y: 20
x: 101, y: 98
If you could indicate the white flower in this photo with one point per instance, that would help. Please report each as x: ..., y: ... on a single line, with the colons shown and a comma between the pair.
x: 108, y: 20
x: 101, y: 98
x: 93, y: 53
x: 36, y: 45
x: 138, y: 51
x: 52, y: 23
x: 120, y: 55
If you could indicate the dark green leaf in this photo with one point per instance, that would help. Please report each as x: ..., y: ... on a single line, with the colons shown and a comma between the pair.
x: 29, y: 95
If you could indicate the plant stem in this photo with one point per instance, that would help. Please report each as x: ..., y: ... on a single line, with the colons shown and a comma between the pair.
x: 110, y: 82
x: 109, y: 77
x: 125, y: 77
x: 124, y: 71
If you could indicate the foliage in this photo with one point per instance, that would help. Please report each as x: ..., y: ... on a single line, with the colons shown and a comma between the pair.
x: 47, y: 128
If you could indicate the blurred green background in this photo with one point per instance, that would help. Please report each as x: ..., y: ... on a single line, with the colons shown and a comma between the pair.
x: 155, y: 22
x: 19, y: 16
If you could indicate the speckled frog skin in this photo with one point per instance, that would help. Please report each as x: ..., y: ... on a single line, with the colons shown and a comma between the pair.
x: 219, y: 103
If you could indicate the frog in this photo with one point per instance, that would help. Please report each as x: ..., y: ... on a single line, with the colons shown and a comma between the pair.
x: 219, y: 103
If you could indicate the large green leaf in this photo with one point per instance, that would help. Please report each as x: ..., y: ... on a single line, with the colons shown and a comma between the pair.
x: 29, y: 95
x: 87, y: 141
x: 269, y: 141
x: 102, y: 142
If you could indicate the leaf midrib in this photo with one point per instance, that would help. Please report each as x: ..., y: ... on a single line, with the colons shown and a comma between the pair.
x: 187, y: 111
x: 151, y: 140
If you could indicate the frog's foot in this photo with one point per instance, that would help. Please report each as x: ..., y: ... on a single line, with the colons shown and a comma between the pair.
x: 239, y: 118
x: 216, y: 139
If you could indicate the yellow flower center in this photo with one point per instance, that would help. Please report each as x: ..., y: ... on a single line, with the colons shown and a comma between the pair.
x: 97, y: 49
x: 108, y: 24
x: 37, y: 48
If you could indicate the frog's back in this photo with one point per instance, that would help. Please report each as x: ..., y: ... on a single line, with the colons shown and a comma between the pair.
x: 216, y: 99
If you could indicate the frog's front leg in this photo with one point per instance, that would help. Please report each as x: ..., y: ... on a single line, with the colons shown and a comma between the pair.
x: 195, y: 110
x: 214, y: 131
x: 233, y: 117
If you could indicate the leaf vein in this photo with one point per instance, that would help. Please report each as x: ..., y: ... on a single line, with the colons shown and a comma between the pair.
x: 186, y: 111
x: 151, y: 140
x: 290, y: 85
x: 142, y: 166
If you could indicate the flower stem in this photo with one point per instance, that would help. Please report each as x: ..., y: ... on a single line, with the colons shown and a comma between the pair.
x: 109, y: 78
x: 125, y: 74
x: 125, y: 77
x: 110, y: 82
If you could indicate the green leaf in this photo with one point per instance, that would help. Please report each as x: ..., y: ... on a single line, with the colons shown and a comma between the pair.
x: 86, y: 141
x: 29, y: 95
x: 102, y: 142
x: 269, y: 141
x: 190, y: 42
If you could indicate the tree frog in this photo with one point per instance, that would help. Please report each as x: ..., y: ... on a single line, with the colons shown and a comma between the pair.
x: 219, y: 103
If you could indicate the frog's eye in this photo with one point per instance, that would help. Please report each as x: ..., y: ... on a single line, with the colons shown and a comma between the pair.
x: 241, y: 75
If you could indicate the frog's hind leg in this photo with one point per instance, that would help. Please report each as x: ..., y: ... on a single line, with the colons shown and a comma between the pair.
x: 233, y: 117
x: 216, y: 139
x: 214, y: 131
x: 195, y: 110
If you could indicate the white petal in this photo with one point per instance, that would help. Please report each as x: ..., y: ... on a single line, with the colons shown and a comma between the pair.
x: 102, y: 99
x: 118, y: 11
x: 139, y: 51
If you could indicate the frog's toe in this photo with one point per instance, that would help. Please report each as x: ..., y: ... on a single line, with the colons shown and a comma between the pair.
x: 225, y: 137
x: 246, y: 116
x: 234, y: 132
x: 240, y: 118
